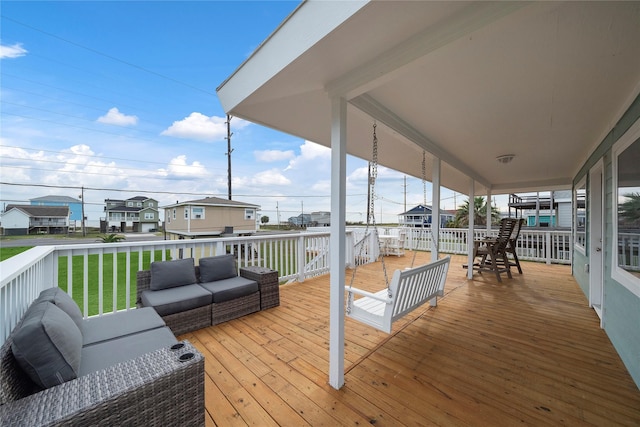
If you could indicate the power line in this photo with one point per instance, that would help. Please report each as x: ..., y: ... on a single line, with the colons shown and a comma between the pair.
x: 71, y: 187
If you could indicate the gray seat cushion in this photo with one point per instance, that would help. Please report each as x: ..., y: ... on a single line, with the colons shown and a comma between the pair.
x: 217, y: 268
x: 64, y: 302
x: 117, y: 325
x: 48, y: 345
x: 176, y: 300
x: 108, y: 353
x: 169, y: 274
x: 228, y: 289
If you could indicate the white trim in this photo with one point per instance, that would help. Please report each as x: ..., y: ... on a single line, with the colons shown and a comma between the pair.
x: 596, y: 215
x: 618, y: 274
x: 582, y: 249
x: 337, y: 242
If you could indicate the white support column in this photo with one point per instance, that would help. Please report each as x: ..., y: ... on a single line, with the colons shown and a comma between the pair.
x: 472, y: 196
x: 435, y: 209
x: 489, y: 210
x: 337, y: 247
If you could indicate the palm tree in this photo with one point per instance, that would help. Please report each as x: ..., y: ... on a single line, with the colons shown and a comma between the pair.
x: 111, y: 238
x: 479, y: 213
x: 629, y: 210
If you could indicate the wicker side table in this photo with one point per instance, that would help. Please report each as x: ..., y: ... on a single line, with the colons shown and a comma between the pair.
x: 267, y: 281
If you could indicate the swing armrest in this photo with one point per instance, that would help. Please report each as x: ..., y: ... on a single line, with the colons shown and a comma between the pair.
x: 385, y: 299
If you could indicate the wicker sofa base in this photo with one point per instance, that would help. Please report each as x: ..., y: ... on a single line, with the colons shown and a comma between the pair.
x: 162, y: 387
x: 228, y: 310
x: 190, y: 320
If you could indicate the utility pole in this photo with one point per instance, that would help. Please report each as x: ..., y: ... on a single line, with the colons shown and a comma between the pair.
x: 84, y: 233
x: 405, y: 193
x: 229, y: 151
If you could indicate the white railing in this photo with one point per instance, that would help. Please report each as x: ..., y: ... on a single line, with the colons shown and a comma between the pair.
x: 629, y: 251
x: 101, y: 277
x: 549, y: 246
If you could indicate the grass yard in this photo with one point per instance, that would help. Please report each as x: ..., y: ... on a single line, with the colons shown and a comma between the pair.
x: 110, y: 291
x: 9, y: 252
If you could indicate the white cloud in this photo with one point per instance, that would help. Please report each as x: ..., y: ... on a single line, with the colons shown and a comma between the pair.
x: 13, y: 51
x: 310, y: 152
x: 178, y: 167
x: 270, y: 177
x: 202, y: 128
x: 273, y: 155
x: 115, y: 117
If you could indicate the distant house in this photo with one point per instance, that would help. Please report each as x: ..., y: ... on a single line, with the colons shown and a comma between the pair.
x: 420, y: 216
x: 209, y: 217
x: 553, y: 210
x: 28, y: 219
x: 135, y: 214
x: 75, y: 205
x: 314, y: 219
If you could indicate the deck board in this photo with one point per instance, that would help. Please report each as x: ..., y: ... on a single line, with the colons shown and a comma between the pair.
x: 525, y: 351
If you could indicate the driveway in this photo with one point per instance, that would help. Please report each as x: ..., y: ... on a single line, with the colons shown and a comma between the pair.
x: 44, y: 241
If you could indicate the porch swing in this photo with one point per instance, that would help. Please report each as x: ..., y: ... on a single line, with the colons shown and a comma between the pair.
x: 409, y: 288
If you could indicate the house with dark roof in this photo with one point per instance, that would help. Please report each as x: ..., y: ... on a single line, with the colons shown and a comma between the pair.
x: 210, y: 217
x: 420, y: 216
x: 27, y: 219
x: 138, y: 214
x: 75, y: 205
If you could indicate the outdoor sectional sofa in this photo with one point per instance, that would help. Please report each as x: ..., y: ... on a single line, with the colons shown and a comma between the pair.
x: 127, y: 368
x: 190, y: 297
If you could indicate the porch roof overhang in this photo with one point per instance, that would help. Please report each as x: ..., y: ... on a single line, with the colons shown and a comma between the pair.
x: 465, y: 81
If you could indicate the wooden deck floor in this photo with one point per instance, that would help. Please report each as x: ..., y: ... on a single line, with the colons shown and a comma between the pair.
x: 525, y: 352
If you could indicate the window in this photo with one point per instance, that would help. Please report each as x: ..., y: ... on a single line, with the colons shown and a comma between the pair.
x: 186, y: 213
x: 197, y: 213
x: 149, y: 215
x: 150, y: 204
x: 174, y: 213
x: 626, y: 210
x: 249, y: 214
x: 139, y: 204
x: 580, y: 215
x: 130, y: 204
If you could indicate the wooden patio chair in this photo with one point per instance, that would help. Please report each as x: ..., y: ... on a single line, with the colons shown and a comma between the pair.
x: 512, y: 246
x: 492, y: 253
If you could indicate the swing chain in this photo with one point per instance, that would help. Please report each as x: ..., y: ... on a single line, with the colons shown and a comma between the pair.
x: 371, y: 220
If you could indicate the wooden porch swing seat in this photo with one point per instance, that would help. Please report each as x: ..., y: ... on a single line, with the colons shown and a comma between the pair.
x: 408, y: 290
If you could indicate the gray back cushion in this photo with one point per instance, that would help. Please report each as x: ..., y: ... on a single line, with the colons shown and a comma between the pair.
x: 217, y: 268
x: 48, y: 345
x: 64, y: 302
x: 169, y: 274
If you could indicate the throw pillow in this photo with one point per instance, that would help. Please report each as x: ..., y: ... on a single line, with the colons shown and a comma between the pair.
x: 217, y: 268
x: 169, y: 274
x: 64, y: 302
x: 48, y: 345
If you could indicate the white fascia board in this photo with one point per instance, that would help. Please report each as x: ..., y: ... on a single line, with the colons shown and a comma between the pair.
x: 306, y: 26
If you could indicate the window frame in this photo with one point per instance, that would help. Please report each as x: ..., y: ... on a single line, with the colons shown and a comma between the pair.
x: 626, y: 279
x: 194, y: 215
x: 582, y: 184
x: 249, y: 214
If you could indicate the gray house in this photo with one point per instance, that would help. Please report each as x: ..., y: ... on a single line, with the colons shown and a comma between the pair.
x: 28, y: 219
x: 502, y: 97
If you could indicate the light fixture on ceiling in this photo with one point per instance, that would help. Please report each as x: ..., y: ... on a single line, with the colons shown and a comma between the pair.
x: 505, y: 158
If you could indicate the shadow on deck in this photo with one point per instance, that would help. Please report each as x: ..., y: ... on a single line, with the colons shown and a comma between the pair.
x: 526, y: 351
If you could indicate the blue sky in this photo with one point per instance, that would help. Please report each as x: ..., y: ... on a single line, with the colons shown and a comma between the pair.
x: 119, y: 97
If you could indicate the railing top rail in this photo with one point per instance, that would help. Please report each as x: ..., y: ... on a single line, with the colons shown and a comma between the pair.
x: 17, y: 264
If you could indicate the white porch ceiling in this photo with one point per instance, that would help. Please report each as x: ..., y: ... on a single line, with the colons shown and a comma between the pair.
x: 467, y: 81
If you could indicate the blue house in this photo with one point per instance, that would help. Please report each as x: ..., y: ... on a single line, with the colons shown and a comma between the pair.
x: 75, y: 205
x: 421, y: 216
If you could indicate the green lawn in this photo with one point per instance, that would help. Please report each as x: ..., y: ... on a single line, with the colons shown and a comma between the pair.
x: 108, y: 288
x: 93, y: 271
x: 9, y: 252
